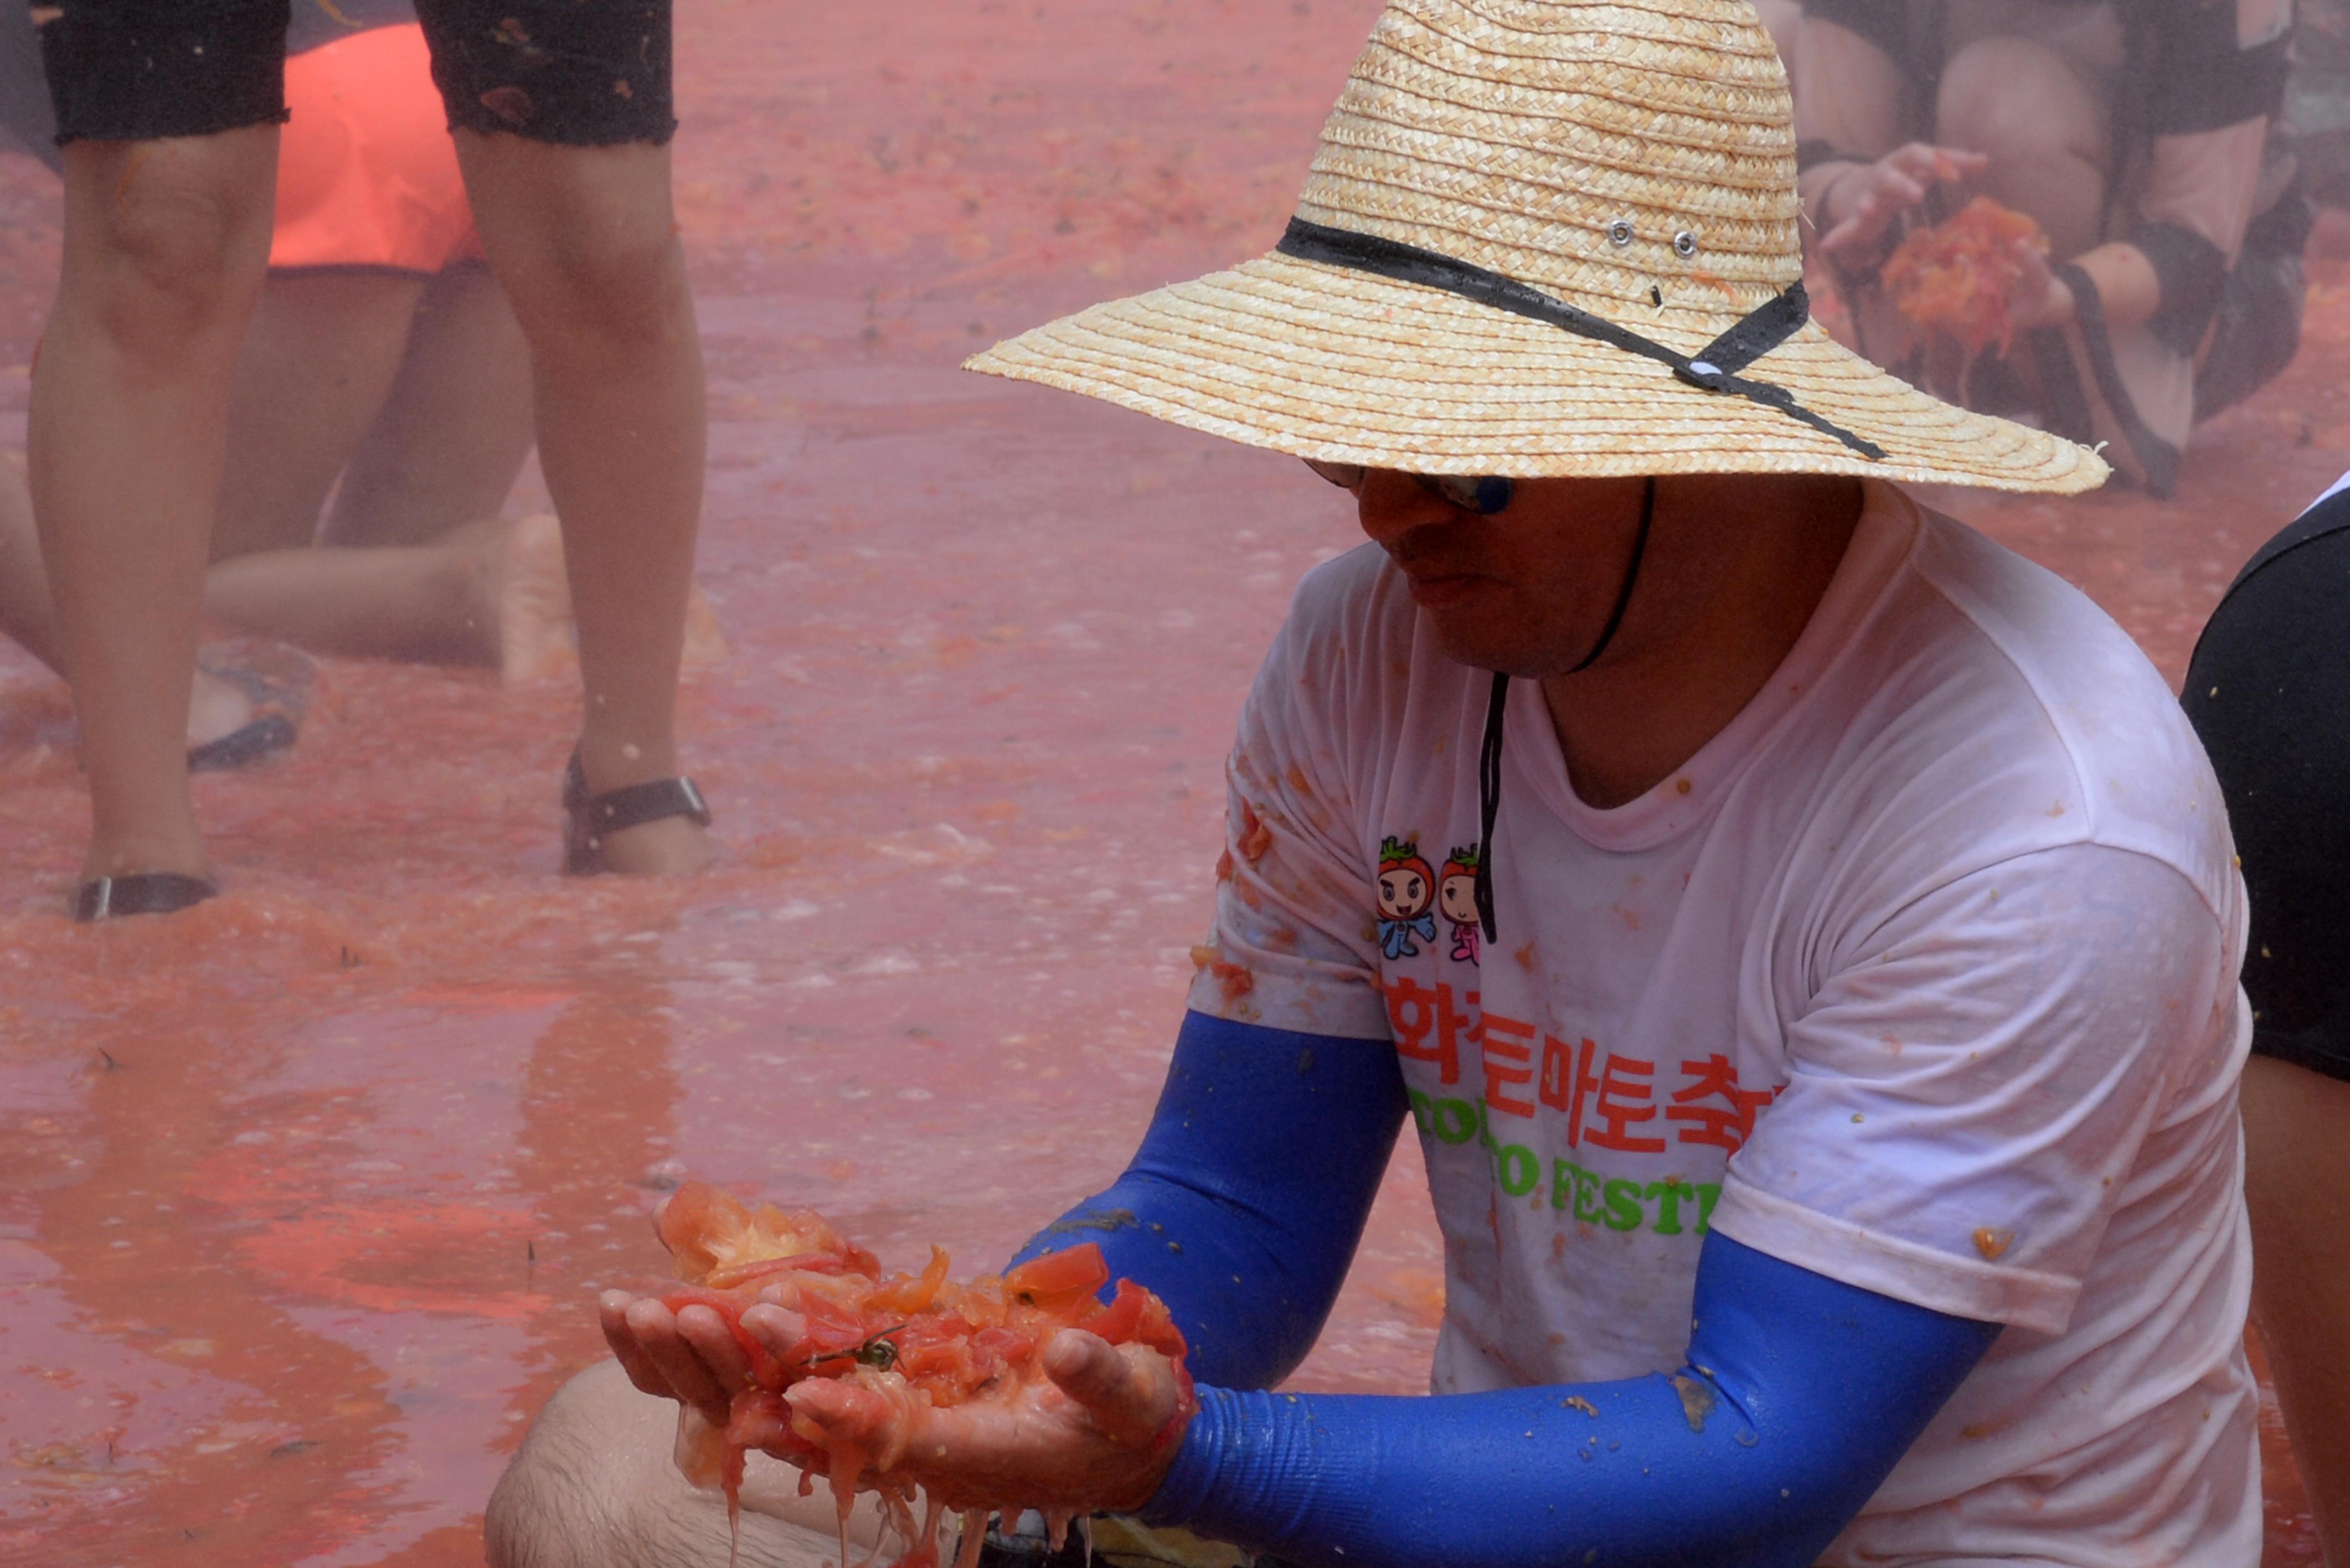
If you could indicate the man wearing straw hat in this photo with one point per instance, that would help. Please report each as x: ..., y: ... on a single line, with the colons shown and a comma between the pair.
x: 1833, y: 1129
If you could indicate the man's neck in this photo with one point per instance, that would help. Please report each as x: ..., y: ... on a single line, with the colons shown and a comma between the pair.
x: 1736, y: 567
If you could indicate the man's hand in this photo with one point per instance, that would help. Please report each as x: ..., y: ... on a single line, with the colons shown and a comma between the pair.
x: 1860, y: 204
x: 1098, y: 1432
x: 689, y: 1355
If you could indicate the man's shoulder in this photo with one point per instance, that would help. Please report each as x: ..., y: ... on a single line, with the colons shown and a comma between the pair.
x: 2033, y: 661
x: 1353, y: 588
x: 1350, y: 621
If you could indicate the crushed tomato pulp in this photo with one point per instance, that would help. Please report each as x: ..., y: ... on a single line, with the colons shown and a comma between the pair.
x: 913, y: 1339
x: 1959, y: 278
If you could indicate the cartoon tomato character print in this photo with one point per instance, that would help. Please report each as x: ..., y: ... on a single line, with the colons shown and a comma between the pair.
x: 1406, y: 886
x: 1456, y: 895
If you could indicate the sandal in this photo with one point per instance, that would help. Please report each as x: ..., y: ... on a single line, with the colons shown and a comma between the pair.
x: 144, y: 893
x: 588, y: 818
x: 276, y: 679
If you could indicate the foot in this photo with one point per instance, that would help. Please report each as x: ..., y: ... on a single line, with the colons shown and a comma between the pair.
x: 171, y: 847
x: 523, y: 600
x: 216, y: 709
x: 142, y: 893
x: 671, y: 846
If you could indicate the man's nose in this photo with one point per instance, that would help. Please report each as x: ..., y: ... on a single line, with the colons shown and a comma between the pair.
x: 1391, y: 505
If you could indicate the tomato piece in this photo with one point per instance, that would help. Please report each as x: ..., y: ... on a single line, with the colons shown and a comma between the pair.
x: 1078, y: 1271
x: 1135, y: 1317
x: 732, y: 1276
x: 696, y: 1223
x: 912, y: 1295
x: 1004, y: 1344
x: 1119, y: 1320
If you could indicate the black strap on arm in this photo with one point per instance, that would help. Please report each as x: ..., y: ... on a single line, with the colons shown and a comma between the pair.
x: 1714, y: 368
x: 2193, y: 74
x: 2191, y: 272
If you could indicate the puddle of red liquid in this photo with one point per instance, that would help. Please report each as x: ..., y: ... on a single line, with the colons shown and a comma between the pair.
x: 304, y: 1196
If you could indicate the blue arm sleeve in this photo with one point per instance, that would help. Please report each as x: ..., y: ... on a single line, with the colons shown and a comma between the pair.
x: 1242, y: 1208
x: 1799, y: 1395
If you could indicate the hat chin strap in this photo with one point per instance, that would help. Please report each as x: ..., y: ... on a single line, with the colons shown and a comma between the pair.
x: 1713, y: 368
x: 1497, y: 708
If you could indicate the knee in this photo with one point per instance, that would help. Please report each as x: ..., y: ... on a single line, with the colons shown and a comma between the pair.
x: 563, y: 1500
x: 2017, y: 100
x: 590, y: 287
x: 172, y: 249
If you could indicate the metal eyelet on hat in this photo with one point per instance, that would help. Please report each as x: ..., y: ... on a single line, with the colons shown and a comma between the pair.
x: 1685, y: 245
x: 1619, y: 233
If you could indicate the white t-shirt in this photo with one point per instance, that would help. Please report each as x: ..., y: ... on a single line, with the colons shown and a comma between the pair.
x: 1922, y: 974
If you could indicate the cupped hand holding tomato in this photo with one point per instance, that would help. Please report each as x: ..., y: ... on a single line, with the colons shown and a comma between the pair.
x: 1062, y: 1403
x: 1859, y: 206
x: 1097, y: 1430
x: 689, y: 1354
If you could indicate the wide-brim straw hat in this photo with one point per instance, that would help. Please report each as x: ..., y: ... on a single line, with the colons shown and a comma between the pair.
x: 1632, y: 162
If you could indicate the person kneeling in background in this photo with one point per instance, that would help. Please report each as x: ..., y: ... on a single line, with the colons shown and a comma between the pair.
x: 2137, y: 133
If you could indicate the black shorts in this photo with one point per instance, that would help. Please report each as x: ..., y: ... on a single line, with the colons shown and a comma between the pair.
x: 2268, y: 690
x: 584, y: 73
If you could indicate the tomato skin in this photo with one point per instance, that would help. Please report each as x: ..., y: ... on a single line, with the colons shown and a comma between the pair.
x: 695, y: 1221
x: 1006, y: 1345
x: 1135, y: 1317
x: 732, y: 1276
x: 1059, y: 1277
x: 916, y: 1294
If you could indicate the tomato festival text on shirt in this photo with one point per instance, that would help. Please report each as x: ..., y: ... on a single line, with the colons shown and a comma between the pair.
x: 1607, y: 1101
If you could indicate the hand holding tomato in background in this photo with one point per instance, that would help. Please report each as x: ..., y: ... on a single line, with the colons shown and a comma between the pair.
x: 1859, y: 206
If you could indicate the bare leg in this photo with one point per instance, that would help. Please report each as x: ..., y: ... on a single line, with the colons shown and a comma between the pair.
x: 584, y: 240
x: 421, y: 602
x: 316, y: 366
x: 440, y: 432
x: 215, y: 707
x: 594, y: 1486
x: 490, y: 593
x: 455, y: 432
x: 24, y: 612
x: 2049, y: 136
x: 2297, y: 1185
x: 164, y: 248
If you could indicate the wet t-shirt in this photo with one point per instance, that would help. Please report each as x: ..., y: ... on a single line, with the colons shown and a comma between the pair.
x: 1922, y: 974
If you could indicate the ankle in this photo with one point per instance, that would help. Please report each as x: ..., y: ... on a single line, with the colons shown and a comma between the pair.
x: 134, y: 854
x: 673, y: 846
x: 613, y: 761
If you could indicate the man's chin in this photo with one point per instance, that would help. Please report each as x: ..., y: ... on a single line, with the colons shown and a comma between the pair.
x: 1463, y: 644
x: 1471, y: 639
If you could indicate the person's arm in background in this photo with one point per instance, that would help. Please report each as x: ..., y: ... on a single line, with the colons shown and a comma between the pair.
x: 1858, y: 167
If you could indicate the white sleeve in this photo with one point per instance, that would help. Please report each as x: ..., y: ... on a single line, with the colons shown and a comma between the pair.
x: 1295, y: 944
x: 1970, y: 1088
